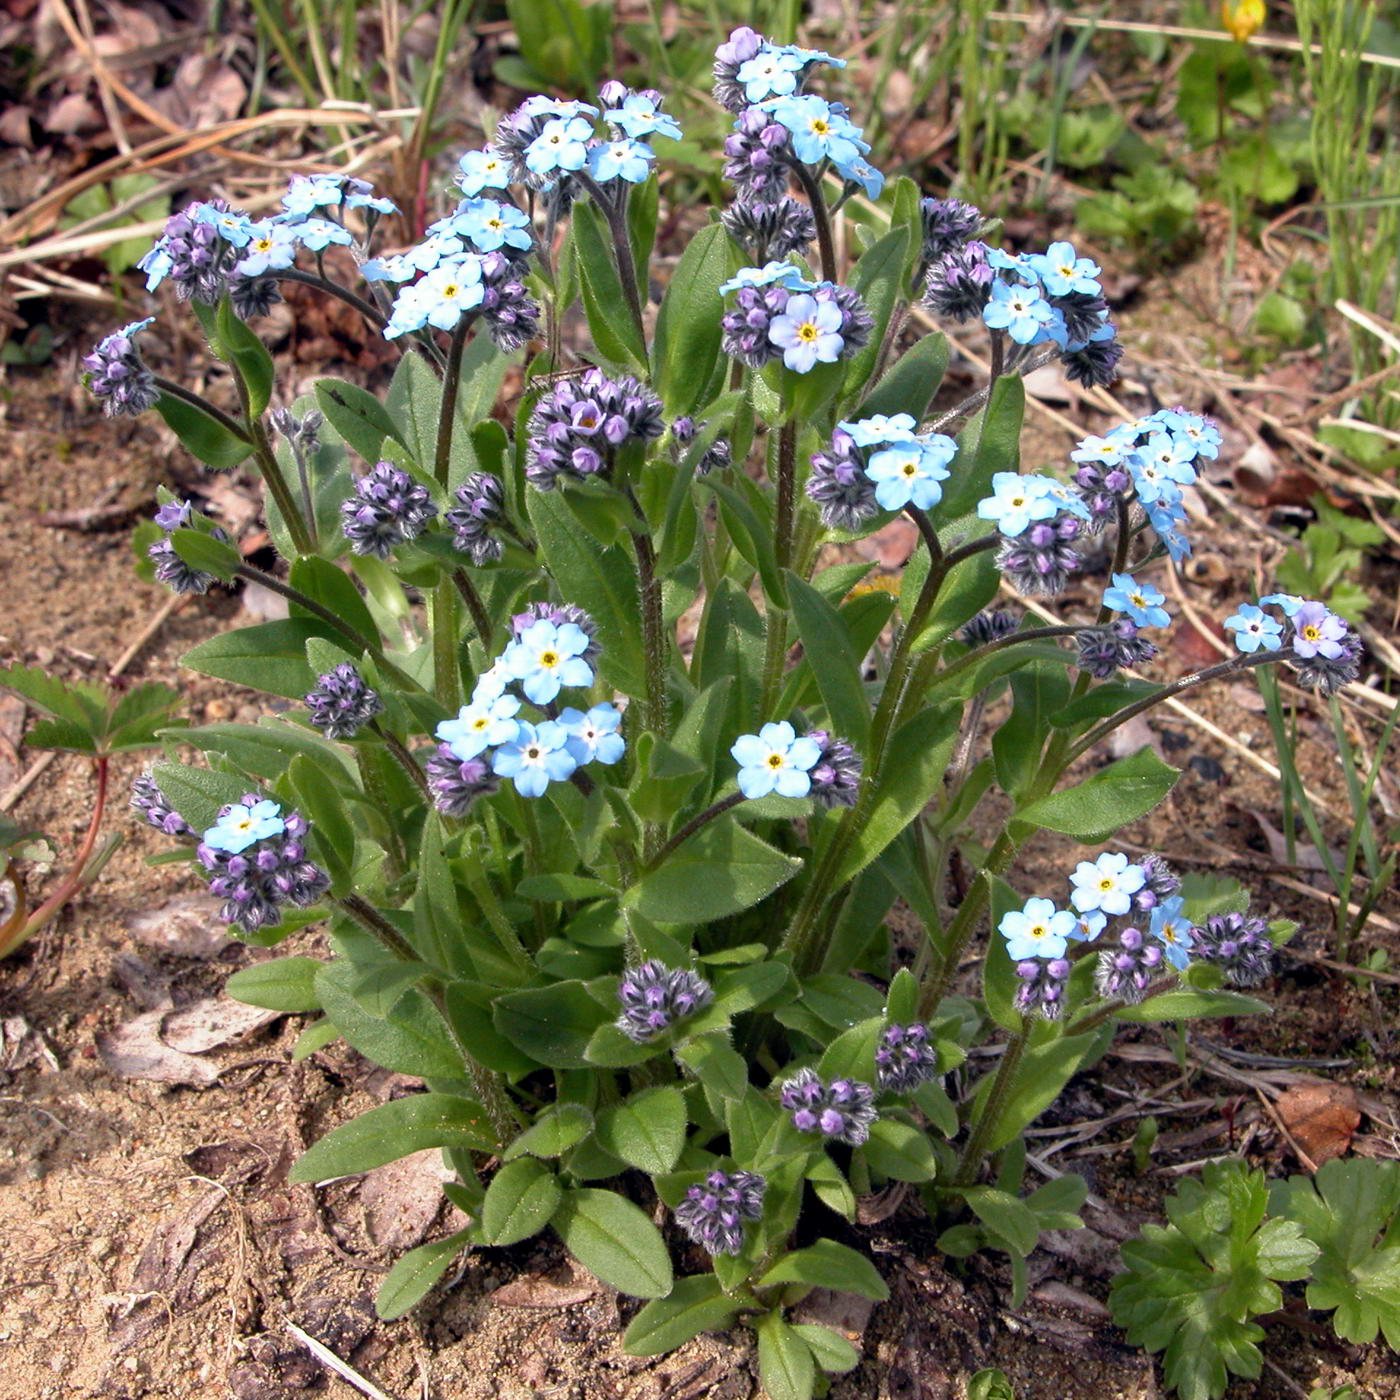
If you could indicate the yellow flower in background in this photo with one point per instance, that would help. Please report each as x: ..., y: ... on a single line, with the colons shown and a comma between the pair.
x: 1242, y: 18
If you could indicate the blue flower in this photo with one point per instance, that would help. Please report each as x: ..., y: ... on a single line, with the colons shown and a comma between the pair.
x: 319, y: 234
x: 1141, y: 602
x: 1288, y: 602
x: 1107, y: 884
x: 782, y: 274
x: 772, y: 72
x: 482, y: 170
x: 487, y: 225
x: 1039, y: 930
x: 156, y: 264
x: 880, y: 428
x: 807, y: 331
x: 536, y: 757
x: 639, y: 118
x: 1015, y: 501
x: 775, y: 759
x: 621, y: 160
x: 449, y: 290
x: 1171, y: 454
x: 1062, y: 271
x: 1023, y: 264
x: 546, y: 657
x: 1254, y: 628
x: 1065, y: 497
x: 1022, y: 312
x: 1088, y: 926
x: 240, y: 826
x: 910, y: 473
x: 1100, y: 451
x: 233, y: 225
x: 593, y: 737
x: 561, y: 145
x: 861, y: 172
x: 1172, y: 929
x: 819, y: 131
x: 271, y: 247
x: 480, y: 725
x: 307, y: 193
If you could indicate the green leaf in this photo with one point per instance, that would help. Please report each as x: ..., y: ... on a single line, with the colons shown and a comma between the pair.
x: 520, y: 1202
x: 830, y: 1350
x: 1102, y: 804
x: 716, y: 1064
x: 284, y: 984
x: 991, y: 443
x: 410, y: 1038
x: 315, y: 1037
x: 696, y: 1304
x: 203, y: 436
x: 613, y: 1239
x: 1005, y: 1216
x: 614, y: 331
x: 334, y: 589
x: 902, y: 999
x: 1187, y: 1004
x: 553, y: 1133
x: 827, y: 1264
x: 204, y: 551
x: 357, y: 416
x: 1351, y: 1211
x: 721, y: 870
x: 899, y: 1151
x: 244, y: 349
x: 469, y: 1009
x: 1038, y: 689
x: 852, y: 1054
x: 601, y: 581
x: 685, y: 350
x: 412, y: 1277
x: 561, y: 888
x: 990, y: 1384
x: 646, y: 1131
x: 397, y: 1129
x: 197, y: 794
x: 552, y: 1025
x: 1044, y: 1072
x: 269, y: 656
x: 835, y: 661
x: 413, y: 404
x: 909, y: 385
x: 878, y: 276
x: 785, y: 1363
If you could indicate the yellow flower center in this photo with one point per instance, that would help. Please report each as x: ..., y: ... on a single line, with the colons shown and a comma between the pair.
x: 549, y: 659
x: 1311, y: 632
x: 480, y: 722
x: 819, y: 126
x: 450, y: 290
x: 775, y: 760
x: 1037, y: 931
x: 1106, y: 883
x: 910, y: 469
x: 263, y: 244
x: 807, y: 331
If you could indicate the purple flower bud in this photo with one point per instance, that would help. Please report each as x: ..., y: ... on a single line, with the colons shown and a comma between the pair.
x: 456, y: 783
x: 387, y: 508
x: 342, y: 703
x: 654, y: 997
x: 1240, y: 946
x: 842, y: 1110
x: 904, y: 1059
x: 714, y: 1211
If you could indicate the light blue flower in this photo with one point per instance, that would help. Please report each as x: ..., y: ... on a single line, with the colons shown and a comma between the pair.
x: 782, y: 274
x: 1039, y: 930
x: 1064, y: 496
x: 775, y: 760
x: 861, y: 172
x: 1063, y: 271
x: 1288, y: 602
x: 486, y: 224
x: 879, y: 428
x: 819, y: 132
x: 1254, y: 628
x: 450, y: 290
x: 621, y: 160
x: 1015, y: 501
x: 240, y: 826
x: 593, y: 737
x: 492, y: 682
x: 638, y: 117
x: 1088, y: 926
x: 1020, y: 263
x: 1140, y: 601
x: 1097, y: 451
x: 1172, y: 929
x: 480, y: 725
x: 547, y: 656
x: 1172, y: 455
x: 1022, y: 312
x: 807, y: 331
x: 1199, y: 429
x: 233, y: 225
x: 561, y: 145
x: 536, y: 757
x: 771, y: 72
x: 270, y: 248
x: 318, y: 234
x: 482, y: 170
x: 156, y: 264
x: 307, y: 193
x: 910, y: 473
x: 1107, y: 884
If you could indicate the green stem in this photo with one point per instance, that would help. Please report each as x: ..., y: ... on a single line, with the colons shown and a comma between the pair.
x: 971, y: 1159
x: 622, y: 249
x: 371, y: 313
x: 368, y: 760
x: 481, y: 619
x: 812, y: 188
x: 447, y: 674
x: 447, y: 412
x: 653, y: 633
x: 277, y: 483
x: 716, y: 809
x: 977, y: 654
x: 403, y: 758
x: 479, y: 883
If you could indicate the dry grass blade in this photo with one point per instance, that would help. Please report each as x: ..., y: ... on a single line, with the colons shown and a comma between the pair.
x: 343, y: 1369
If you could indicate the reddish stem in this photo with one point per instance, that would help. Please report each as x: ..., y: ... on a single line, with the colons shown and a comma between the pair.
x: 74, y: 879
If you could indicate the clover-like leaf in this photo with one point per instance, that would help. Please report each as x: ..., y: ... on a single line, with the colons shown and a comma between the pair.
x: 1191, y: 1287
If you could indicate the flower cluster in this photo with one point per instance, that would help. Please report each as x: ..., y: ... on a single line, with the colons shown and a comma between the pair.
x: 118, y: 376
x: 1053, y: 297
x: 480, y: 508
x: 714, y: 1211
x: 1237, y: 944
x: 816, y: 765
x: 904, y: 1058
x: 1107, y: 648
x: 878, y: 463
x: 342, y: 703
x: 842, y: 1110
x: 386, y: 509
x: 150, y: 801
x: 170, y: 569
x: 577, y: 428
x: 1040, y: 520
x: 257, y: 860
x: 654, y: 997
x: 1322, y: 649
x: 778, y: 314
x: 551, y: 648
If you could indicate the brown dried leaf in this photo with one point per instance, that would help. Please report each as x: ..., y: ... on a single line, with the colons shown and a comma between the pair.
x: 136, y: 1051
x: 213, y: 1022
x: 186, y: 927
x: 842, y: 1312
x: 401, y: 1200
x: 1305, y: 855
x: 1322, y: 1117
x: 72, y: 114
x: 560, y: 1289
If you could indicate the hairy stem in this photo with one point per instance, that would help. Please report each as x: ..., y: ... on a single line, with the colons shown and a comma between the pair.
x: 371, y: 313
x: 447, y: 413
x: 971, y: 1159
x: 715, y: 809
x: 811, y: 186
x: 481, y: 619
x: 225, y: 420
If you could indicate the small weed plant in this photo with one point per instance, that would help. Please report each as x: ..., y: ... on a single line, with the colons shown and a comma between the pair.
x: 605, y: 761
